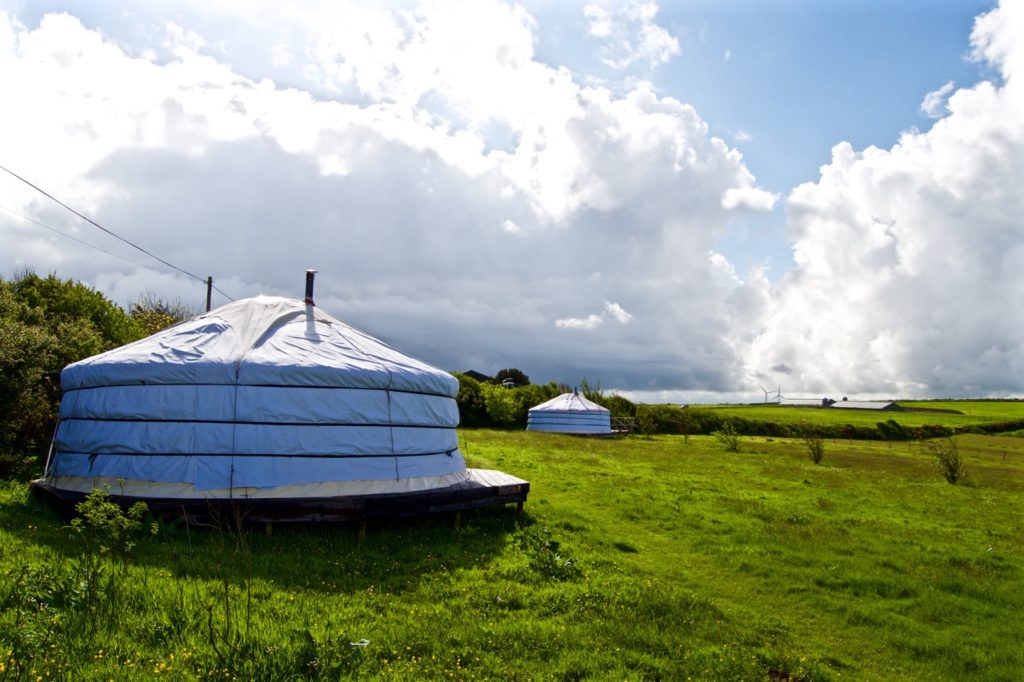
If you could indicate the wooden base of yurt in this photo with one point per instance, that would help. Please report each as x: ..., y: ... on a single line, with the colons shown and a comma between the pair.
x: 483, y: 488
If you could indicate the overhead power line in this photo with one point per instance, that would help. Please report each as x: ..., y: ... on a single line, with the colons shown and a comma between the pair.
x: 110, y: 232
x: 68, y: 236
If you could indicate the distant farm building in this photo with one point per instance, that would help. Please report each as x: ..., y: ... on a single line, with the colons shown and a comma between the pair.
x: 876, y: 405
x: 844, y: 404
x: 804, y: 402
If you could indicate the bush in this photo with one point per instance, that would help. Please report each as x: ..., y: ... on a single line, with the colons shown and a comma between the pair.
x: 472, y: 409
x: 495, y: 406
x: 502, y: 405
x: 646, y: 425
x: 152, y: 314
x: 728, y: 437
x: 892, y: 430
x: 947, y: 458
x: 46, y: 324
x: 815, y: 445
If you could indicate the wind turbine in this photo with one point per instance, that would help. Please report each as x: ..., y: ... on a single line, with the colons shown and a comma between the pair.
x: 767, y: 393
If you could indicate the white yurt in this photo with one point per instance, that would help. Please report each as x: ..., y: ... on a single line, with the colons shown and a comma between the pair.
x: 265, y: 398
x: 570, y: 413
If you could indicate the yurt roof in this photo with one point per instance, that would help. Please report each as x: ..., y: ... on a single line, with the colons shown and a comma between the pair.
x: 570, y: 402
x: 261, y: 341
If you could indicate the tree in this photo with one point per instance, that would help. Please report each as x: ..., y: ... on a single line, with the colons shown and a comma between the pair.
x: 472, y: 408
x: 514, y: 374
x: 26, y: 400
x: 153, y: 314
x: 45, y: 324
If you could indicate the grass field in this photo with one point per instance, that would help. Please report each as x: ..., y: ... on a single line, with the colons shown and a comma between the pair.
x: 974, y: 412
x: 635, y: 559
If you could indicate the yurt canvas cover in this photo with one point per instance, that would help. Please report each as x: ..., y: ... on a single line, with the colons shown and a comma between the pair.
x: 569, y: 413
x: 265, y: 397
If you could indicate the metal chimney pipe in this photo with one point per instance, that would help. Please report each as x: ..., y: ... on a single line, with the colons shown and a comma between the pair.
x: 310, y: 275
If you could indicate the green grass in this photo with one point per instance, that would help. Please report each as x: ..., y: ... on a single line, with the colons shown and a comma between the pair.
x: 635, y: 559
x: 975, y: 412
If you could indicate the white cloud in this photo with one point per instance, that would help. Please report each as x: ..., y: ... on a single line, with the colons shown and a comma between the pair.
x: 631, y: 35
x: 909, y: 259
x: 587, y: 323
x: 752, y: 198
x: 393, y: 187
x: 617, y: 311
x: 743, y: 136
x: 612, y: 311
x: 934, y: 103
x: 178, y: 37
x: 281, y: 54
x: 600, y: 21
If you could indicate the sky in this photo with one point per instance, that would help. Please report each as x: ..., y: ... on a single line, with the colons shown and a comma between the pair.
x: 680, y: 202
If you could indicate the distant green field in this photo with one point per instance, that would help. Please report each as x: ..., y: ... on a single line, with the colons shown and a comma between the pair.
x: 974, y: 412
x: 663, y: 558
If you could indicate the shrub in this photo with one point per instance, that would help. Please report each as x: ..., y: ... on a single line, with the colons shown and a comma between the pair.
x: 644, y: 423
x: 815, y: 445
x: 152, y: 314
x: 45, y: 324
x: 502, y: 405
x: 107, y: 533
x: 472, y: 408
x: 727, y: 437
x: 947, y: 458
x: 892, y: 430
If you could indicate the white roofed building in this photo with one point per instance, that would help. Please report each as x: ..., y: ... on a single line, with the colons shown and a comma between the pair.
x: 570, y: 413
x: 264, y: 398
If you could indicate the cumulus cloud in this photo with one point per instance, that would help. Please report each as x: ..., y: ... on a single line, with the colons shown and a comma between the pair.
x: 631, y: 34
x: 612, y: 311
x: 459, y: 196
x: 617, y: 312
x: 934, y: 103
x: 588, y: 322
x: 752, y: 198
x: 908, y: 259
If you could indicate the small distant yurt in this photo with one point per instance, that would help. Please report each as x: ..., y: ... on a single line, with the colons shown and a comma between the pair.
x: 263, y: 399
x: 570, y: 413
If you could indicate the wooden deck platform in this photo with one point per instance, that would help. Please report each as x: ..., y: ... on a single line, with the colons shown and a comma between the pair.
x: 483, y: 488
